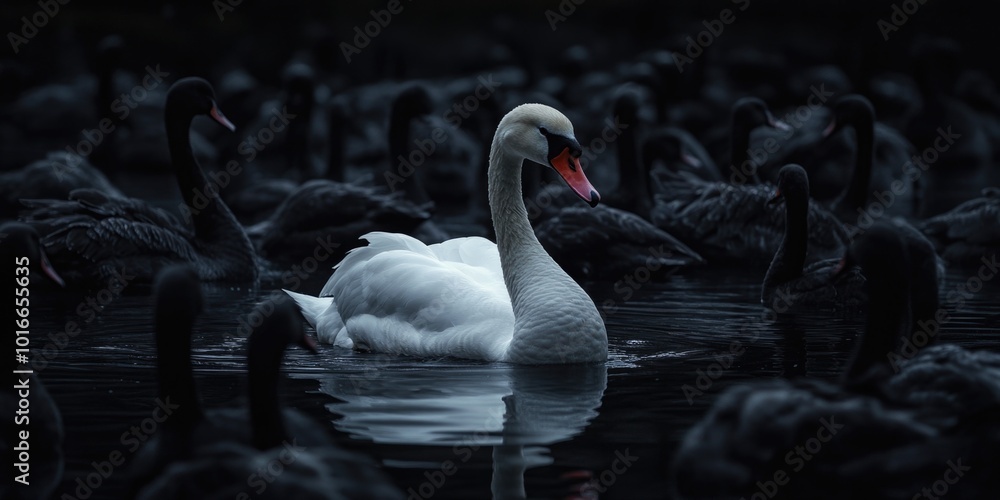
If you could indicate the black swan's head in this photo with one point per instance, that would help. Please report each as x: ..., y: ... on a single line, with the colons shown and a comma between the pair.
x: 626, y: 106
x: 851, y: 110
x: 793, y: 185
x: 752, y: 112
x: 193, y: 96
x: 178, y: 295
x: 19, y: 241
x: 281, y: 327
x: 412, y: 101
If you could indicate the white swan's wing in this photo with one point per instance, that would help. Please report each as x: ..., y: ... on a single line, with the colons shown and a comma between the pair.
x: 398, y: 295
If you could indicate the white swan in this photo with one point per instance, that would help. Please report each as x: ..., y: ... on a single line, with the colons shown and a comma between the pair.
x: 469, y: 297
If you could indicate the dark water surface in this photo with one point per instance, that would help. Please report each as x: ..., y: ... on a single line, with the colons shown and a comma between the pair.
x: 462, y: 429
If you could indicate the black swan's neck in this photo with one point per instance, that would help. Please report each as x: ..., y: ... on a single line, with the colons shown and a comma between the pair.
x: 650, y: 155
x: 633, y: 182
x: 297, y: 150
x: 104, y: 154
x: 176, y: 379
x: 888, y: 319
x: 791, y: 255
x: 216, y: 229
x: 857, y: 190
x: 194, y: 186
x: 264, y: 364
x: 740, y: 142
x: 335, y: 140
x: 404, y: 172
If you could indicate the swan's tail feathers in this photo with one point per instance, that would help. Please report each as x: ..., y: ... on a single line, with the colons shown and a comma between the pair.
x: 312, y: 307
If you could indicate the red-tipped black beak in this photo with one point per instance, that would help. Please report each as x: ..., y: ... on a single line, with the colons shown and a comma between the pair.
x: 217, y: 115
x: 777, y: 198
x: 50, y: 271
x: 309, y: 344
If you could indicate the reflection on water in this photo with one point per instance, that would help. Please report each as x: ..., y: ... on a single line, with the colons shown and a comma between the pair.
x: 463, y: 429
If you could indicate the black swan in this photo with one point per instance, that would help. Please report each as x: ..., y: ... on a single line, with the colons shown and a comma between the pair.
x: 789, y: 283
x: 93, y: 236
x: 44, y: 422
x: 879, y: 172
x: 52, y: 177
x: 969, y: 233
x: 812, y: 439
x: 213, y: 453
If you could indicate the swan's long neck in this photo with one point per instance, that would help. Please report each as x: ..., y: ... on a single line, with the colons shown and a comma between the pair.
x: 176, y: 380
x: 740, y: 143
x: 791, y: 255
x: 888, y: 320
x: 857, y: 189
x: 264, y: 366
x: 554, y: 319
x: 408, y: 176
x: 217, y: 231
x: 335, y: 142
x: 633, y: 176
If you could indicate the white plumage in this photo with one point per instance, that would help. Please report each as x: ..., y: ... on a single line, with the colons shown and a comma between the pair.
x: 467, y: 297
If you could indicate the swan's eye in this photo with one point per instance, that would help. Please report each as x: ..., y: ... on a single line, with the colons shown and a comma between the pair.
x: 543, y: 130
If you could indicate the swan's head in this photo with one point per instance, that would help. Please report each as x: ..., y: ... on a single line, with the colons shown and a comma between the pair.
x: 880, y: 252
x: 793, y: 184
x: 852, y: 109
x: 193, y: 96
x: 412, y: 101
x: 283, y: 326
x: 544, y: 135
x: 178, y: 294
x: 668, y: 146
x: 20, y: 240
x: 627, y: 104
x: 752, y: 112
x: 299, y: 81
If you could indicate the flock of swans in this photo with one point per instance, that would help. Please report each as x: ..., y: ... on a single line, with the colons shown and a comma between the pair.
x: 402, y: 286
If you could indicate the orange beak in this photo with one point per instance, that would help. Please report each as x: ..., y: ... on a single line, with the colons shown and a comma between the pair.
x: 569, y: 168
x: 217, y: 115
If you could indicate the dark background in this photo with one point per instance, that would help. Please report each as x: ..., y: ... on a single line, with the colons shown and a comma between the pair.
x: 441, y: 38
